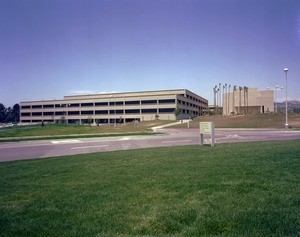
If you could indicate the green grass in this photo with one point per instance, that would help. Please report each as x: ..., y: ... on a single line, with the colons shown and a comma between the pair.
x: 56, y: 137
x: 242, y: 189
x: 63, y: 129
x: 249, y: 121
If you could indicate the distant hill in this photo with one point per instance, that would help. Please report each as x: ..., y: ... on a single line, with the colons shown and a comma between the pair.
x: 293, y: 105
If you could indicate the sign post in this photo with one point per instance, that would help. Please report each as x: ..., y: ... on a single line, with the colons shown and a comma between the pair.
x: 207, y: 128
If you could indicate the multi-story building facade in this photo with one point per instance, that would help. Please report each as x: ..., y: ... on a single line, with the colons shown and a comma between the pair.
x: 244, y: 100
x: 115, y: 107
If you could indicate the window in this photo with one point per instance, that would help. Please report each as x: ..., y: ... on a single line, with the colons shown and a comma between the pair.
x: 60, y: 113
x: 149, y: 111
x: 60, y: 105
x: 167, y: 110
x: 169, y: 101
x: 25, y: 114
x: 48, y: 106
x: 101, y: 112
x: 48, y: 113
x: 145, y: 102
x: 132, y: 102
x: 116, y: 103
x: 132, y: 111
x: 118, y: 111
x: 25, y: 107
x: 73, y: 113
x: 37, y: 106
x: 37, y: 114
x: 101, y: 103
x: 87, y: 112
x: 103, y: 120
x: 87, y: 104
x: 74, y: 105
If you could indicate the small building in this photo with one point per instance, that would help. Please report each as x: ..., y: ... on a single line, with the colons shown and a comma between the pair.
x: 244, y: 100
x: 115, y: 107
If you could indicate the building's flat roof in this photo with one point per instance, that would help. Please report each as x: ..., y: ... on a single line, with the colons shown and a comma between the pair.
x: 120, y: 94
x: 126, y: 94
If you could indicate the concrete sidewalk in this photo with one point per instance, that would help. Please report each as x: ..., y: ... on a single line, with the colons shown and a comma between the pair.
x: 170, y: 124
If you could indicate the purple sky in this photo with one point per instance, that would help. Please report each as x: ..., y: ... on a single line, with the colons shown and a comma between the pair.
x: 52, y: 48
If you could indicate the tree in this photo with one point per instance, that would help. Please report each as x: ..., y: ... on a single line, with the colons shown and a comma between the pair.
x: 90, y: 120
x: 8, y: 117
x: 177, y: 112
x: 2, y: 113
x: 15, y: 113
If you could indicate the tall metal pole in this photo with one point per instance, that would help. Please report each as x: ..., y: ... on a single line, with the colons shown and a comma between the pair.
x: 225, y: 98
x: 228, y: 97
x: 276, y: 88
x: 217, y: 98
x: 286, y: 105
x: 220, y: 94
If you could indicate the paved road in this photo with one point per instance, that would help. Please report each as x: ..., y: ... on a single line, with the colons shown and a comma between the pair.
x: 174, y: 137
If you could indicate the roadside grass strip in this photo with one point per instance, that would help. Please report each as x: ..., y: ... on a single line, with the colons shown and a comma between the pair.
x: 236, y: 189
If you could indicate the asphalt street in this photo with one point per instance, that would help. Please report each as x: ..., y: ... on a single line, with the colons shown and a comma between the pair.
x: 173, y: 137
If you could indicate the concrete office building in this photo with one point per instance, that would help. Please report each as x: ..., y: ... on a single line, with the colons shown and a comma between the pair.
x: 244, y: 100
x: 115, y: 107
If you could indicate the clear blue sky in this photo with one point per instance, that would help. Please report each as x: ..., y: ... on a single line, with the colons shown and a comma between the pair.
x: 52, y: 48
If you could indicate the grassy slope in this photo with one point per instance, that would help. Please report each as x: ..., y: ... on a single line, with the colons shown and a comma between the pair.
x: 245, y: 189
x: 249, y: 121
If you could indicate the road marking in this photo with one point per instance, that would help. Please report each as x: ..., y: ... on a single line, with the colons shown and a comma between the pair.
x: 124, y: 139
x: 65, y: 141
x: 86, y: 147
x: 176, y: 141
x: 233, y: 136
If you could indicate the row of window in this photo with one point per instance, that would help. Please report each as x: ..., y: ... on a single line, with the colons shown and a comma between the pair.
x: 83, y: 121
x: 113, y: 103
x: 188, y: 104
x: 194, y: 99
x: 92, y: 112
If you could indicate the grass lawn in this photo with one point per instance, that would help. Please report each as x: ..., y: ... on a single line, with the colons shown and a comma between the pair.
x: 242, y: 189
x: 62, y: 129
x: 249, y: 121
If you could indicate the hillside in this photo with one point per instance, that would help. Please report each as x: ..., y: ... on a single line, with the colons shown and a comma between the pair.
x: 249, y: 121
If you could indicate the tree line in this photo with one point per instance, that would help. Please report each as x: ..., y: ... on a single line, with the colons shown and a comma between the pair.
x: 9, y: 115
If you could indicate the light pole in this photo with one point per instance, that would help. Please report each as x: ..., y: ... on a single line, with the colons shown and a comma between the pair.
x: 286, y: 106
x: 277, y: 88
x: 225, y: 99
x: 220, y: 97
x: 228, y: 97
